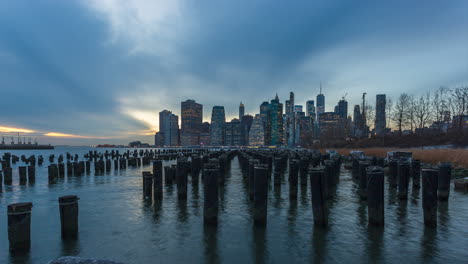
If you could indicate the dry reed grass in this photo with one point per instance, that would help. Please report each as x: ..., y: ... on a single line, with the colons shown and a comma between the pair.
x: 458, y: 157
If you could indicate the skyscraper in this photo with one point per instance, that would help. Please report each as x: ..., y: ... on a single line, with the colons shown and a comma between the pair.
x: 168, y: 128
x: 289, y: 121
x: 276, y: 117
x: 266, y: 121
x: 233, y: 136
x: 320, y: 102
x: 330, y: 125
x: 257, y: 133
x: 298, y: 108
x: 343, y: 108
x: 310, y: 108
x: 246, y: 123
x: 192, y: 116
x: 380, y: 115
x: 241, y: 110
x: 218, y: 120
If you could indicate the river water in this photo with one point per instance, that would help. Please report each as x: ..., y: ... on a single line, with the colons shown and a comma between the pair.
x: 117, y: 224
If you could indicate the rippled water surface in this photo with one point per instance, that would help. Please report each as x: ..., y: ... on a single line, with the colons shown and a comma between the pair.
x: 116, y: 223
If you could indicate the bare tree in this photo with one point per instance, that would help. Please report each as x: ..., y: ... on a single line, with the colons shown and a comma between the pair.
x: 389, y: 111
x: 422, y: 110
x: 370, y: 115
x: 459, y: 105
x: 400, y: 113
x: 410, y: 112
x: 440, y: 105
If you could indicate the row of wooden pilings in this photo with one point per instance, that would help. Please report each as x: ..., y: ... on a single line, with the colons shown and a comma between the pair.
x: 19, y: 222
x: 370, y: 176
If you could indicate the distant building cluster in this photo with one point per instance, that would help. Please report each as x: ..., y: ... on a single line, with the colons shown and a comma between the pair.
x: 288, y: 124
x: 276, y: 124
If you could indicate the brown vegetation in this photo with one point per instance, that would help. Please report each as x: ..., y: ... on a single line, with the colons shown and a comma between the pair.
x: 458, y: 157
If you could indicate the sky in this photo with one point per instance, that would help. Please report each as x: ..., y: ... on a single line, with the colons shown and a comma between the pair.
x: 84, y: 72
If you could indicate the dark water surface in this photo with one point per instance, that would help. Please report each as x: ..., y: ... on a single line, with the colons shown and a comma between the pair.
x: 116, y: 223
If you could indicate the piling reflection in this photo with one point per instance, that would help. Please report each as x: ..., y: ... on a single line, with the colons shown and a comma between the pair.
x: 319, y: 244
x: 374, y: 243
x: 402, y: 214
x: 362, y: 213
x: 429, y: 244
x: 210, y: 242
x: 182, y: 215
x: 70, y: 247
x: 195, y: 197
x: 277, y: 195
x: 415, y: 195
x: 444, y: 216
x: 260, y: 244
x: 304, y: 200
x: 157, y: 211
x: 23, y: 258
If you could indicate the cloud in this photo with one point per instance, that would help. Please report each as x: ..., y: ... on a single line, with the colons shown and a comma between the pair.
x: 62, y: 135
x: 15, y: 130
x: 152, y: 27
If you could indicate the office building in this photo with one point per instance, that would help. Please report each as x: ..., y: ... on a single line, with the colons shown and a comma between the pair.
x: 192, y: 116
x: 257, y: 133
x: 218, y: 120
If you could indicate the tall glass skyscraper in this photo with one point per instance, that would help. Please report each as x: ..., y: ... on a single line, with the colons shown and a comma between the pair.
x: 168, y: 128
x: 218, y: 120
x: 241, y: 110
x: 192, y: 118
x: 310, y: 108
x: 276, y: 117
x: 257, y: 132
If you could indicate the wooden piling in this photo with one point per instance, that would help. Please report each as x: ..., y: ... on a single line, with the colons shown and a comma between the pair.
x: 68, y: 206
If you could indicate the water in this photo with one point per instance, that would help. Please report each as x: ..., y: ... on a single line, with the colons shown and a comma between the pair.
x: 117, y: 224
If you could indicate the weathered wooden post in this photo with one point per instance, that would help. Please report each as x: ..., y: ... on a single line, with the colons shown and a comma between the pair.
x: 429, y: 180
x: 363, y: 165
x: 69, y: 169
x: 158, y: 179
x: 303, y: 166
x: 181, y: 180
x: 293, y: 179
x: 31, y: 174
x: 53, y: 171
x: 68, y: 206
x: 87, y: 166
x: 61, y: 169
x: 8, y: 175
x: 261, y: 193
x: 252, y: 164
x: 443, y: 185
x: 355, y: 167
x: 319, y: 204
x: 210, y: 194
x: 375, y: 195
x: 19, y: 226
x: 147, y: 184
x: 167, y: 175
x: 416, y: 173
x: 392, y: 172
x: 22, y: 174
x: 108, y: 165
x: 403, y: 179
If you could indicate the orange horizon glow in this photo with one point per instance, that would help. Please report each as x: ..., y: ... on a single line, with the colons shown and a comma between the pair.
x: 15, y: 130
x: 55, y: 134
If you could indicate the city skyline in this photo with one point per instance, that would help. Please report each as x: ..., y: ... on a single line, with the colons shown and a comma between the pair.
x: 100, y: 72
